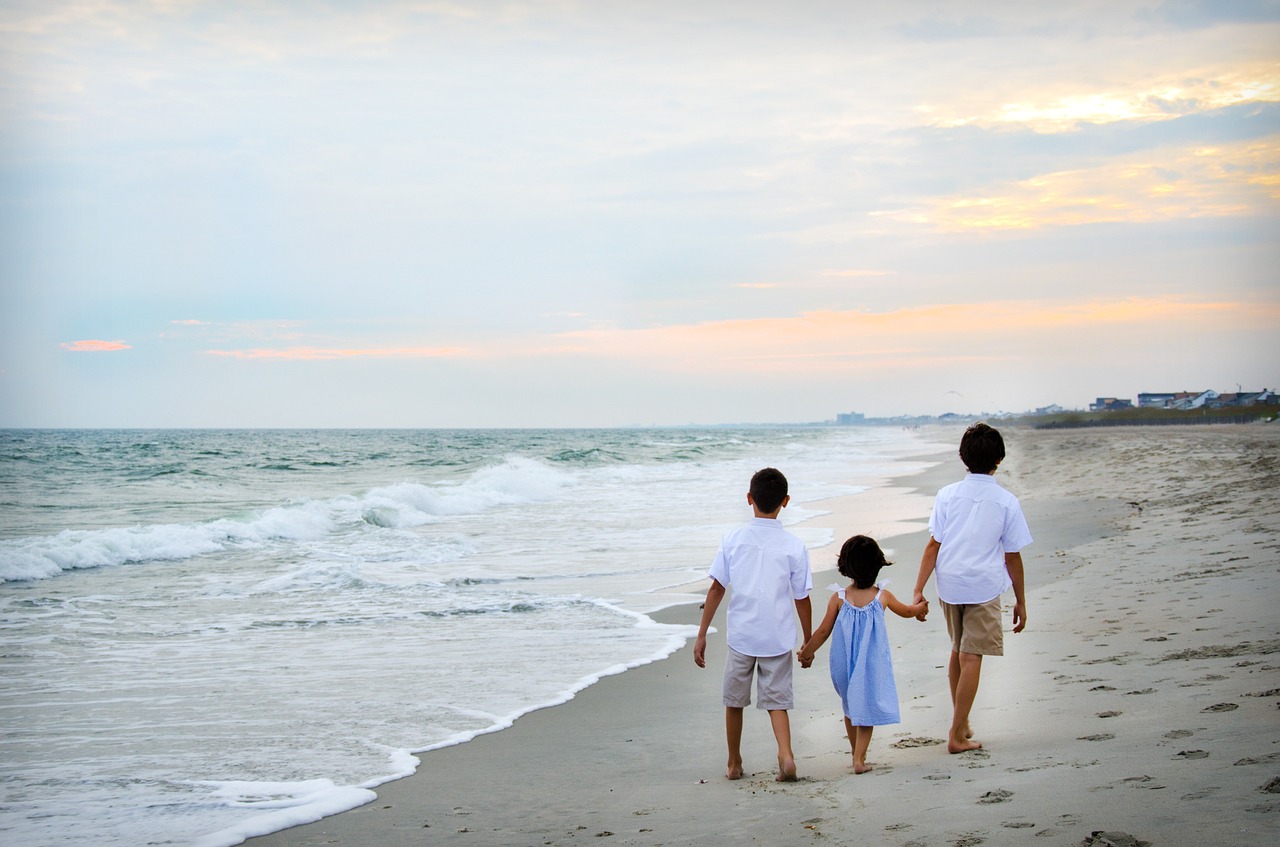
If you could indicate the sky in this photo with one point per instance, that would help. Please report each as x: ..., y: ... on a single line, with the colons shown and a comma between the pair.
x: 595, y: 214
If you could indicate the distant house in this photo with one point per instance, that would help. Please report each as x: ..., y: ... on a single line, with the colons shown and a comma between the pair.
x: 850, y: 418
x: 1110, y: 404
x: 1155, y: 400
x: 1176, y: 399
x: 1049, y: 410
x: 1243, y: 398
x: 1193, y: 400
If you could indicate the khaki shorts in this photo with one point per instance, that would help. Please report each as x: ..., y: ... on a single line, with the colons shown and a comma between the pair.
x: 975, y: 627
x: 773, y: 681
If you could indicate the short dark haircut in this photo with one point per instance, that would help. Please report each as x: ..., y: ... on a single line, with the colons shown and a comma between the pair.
x: 981, y: 448
x: 861, y: 560
x: 768, y: 489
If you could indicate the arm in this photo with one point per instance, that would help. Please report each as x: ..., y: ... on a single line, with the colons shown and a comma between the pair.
x: 1013, y: 564
x: 927, y: 563
x: 714, y: 595
x: 804, y: 608
x: 916, y: 610
x: 814, y: 642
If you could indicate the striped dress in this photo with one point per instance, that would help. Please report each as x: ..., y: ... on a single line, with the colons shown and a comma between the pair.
x: 861, y: 669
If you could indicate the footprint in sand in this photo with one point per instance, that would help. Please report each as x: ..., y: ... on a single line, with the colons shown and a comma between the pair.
x: 1143, y: 781
x: 1192, y: 754
x: 1110, y: 714
x: 1221, y: 707
x: 1179, y: 733
x: 917, y: 741
x: 1141, y: 691
x: 1102, y: 838
x: 1102, y: 736
x: 997, y: 796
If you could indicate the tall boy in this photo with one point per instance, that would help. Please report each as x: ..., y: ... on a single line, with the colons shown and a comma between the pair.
x: 768, y: 568
x: 977, y: 530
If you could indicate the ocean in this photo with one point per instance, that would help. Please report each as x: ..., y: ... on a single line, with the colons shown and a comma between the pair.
x: 209, y: 635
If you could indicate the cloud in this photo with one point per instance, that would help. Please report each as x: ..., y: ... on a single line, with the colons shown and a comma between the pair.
x: 909, y: 338
x: 1201, y: 182
x: 94, y: 346
x: 328, y: 353
x: 190, y: 322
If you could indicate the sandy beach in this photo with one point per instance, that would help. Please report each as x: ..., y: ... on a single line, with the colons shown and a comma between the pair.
x: 1140, y: 702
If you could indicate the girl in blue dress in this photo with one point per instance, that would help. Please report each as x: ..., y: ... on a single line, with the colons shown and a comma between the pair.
x: 861, y: 669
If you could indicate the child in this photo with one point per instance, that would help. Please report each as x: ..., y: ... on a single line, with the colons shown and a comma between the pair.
x: 977, y: 530
x: 768, y: 569
x: 861, y: 669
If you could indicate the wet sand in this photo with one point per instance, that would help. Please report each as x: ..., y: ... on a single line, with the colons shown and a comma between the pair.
x: 1141, y: 701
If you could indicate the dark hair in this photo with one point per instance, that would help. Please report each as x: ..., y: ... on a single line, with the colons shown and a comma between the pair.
x: 861, y: 560
x: 768, y: 490
x: 981, y: 448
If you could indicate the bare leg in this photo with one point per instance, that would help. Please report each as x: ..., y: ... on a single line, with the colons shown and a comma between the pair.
x: 963, y: 672
x: 733, y: 732
x: 863, y: 736
x: 782, y: 732
x: 851, y: 733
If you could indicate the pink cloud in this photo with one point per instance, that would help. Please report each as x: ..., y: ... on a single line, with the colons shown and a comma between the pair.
x: 326, y: 353
x: 94, y: 346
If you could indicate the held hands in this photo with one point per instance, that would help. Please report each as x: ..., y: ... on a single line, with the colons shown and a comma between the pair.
x: 921, y: 604
x: 805, y: 657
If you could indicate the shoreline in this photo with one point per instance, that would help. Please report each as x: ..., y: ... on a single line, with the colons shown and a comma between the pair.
x: 1075, y: 740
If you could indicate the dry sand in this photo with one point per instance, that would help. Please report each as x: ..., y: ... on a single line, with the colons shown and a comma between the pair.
x: 1141, y: 701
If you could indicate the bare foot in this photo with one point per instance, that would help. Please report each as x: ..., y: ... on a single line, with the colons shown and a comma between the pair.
x: 861, y: 768
x: 787, y: 770
x: 733, y: 771
x: 963, y: 746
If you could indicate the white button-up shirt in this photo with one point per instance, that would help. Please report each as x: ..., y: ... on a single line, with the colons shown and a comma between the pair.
x: 766, y: 569
x: 976, y: 521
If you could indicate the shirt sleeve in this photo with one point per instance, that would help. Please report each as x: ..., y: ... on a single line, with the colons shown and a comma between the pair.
x: 937, y: 520
x: 801, y: 575
x: 720, y: 567
x: 1016, y: 533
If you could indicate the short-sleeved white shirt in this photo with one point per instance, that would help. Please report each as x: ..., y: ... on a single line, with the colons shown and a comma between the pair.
x: 766, y: 569
x: 976, y: 521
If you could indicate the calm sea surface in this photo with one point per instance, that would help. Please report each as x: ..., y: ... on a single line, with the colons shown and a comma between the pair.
x: 213, y: 634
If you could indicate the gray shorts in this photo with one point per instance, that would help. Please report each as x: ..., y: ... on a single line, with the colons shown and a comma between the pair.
x: 773, y: 681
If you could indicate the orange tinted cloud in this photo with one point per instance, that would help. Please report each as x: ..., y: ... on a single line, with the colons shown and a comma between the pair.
x: 914, y: 337
x: 327, y: 353
x: 94, y: 346
x: 1232, y: 180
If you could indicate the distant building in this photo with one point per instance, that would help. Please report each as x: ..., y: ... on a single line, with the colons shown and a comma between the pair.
x: 1155, y: 400
x: 1243, y: 398
x: 850, y: 418
x: 1111, y: 404
x: 1177, y: 399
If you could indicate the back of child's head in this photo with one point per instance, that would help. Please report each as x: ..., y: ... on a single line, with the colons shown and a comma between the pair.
x: 768, y: 490
x: 981, y: 448
x: 861, y: 560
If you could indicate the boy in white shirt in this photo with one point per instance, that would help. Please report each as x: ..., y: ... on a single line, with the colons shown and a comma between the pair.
x: 768, y: 568
x: 977, y: 530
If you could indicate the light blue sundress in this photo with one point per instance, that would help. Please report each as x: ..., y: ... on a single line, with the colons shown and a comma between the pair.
x: 861, y: 669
